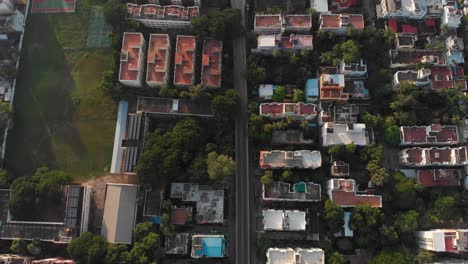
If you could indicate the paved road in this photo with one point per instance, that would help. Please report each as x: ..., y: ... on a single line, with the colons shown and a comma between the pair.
x: 244, y: 191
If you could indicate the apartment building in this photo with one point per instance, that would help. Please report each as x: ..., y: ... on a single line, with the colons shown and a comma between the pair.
x: 163, y: 17
x: 132, y: 59
x: 159, y: 52
x: 184, y: 60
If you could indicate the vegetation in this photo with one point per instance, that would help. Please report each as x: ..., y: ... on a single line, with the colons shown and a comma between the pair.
x: 333, y: 216
x: 6, y: 115
x: 347, y: 51
x: 220, y: 167
x: 222, y: 25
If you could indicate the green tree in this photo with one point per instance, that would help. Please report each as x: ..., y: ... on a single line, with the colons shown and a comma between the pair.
x: 423, y: 257
x: 376, y: 172
x: 6, y: 115
x: 255, y: 74
x: 115, y: 12
x: 351, y: 148
x: 267, y: 177
x: 388, y: 257
x: 222, y: 25
x: 405, y: 191
x: 19, y: 246
x: 226, y: 106
x: 146, y: 251
x: 392, y: 135
x: 4, y: 179
x: 407, y: 222
x: 336, y: 258
x: 23, y: 199
x: 336, y: 150
x: 141, y: 230
x: 49, y: 183
x: 88, y: 248
x: 279, y: 94
x: 389, y: 236
x: 34, y: 248
x: 116, y: 254
x: 194, y: 93
x: 372, y: 152
x: 8, y: 72
x: 220, y: 167
x: 298, y: 96
x: 347, y: 51
x: 444, y: 209
x: 286, y: 174
x: 364, y: 221
x: 333, y: 216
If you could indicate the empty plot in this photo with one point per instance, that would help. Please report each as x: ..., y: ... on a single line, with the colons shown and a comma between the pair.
x: 98, y: 31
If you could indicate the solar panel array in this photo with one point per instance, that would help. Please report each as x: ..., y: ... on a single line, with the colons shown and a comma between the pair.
x: 72, y: 211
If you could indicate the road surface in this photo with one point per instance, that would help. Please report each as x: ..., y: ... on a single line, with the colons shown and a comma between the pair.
x: 243, y: 186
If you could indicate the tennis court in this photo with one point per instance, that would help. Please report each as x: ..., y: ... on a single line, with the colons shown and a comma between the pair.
x: 98, y: 30
x: 53, y: 6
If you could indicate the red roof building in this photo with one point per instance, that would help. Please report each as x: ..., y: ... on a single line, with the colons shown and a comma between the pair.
x: 184, y: 61
x: 332, y: 87
x: 298, y: 23
x: 438, y: 177
x: 181, y: 215
x: 443, y: 240
x: 211, y: 63
x: 164, y: 17
x: 427, y: 26
x: 284, y: 110
x: 423, y: 157
x: 132, y: 59
x: 53, y: 261
x: 340, y: 23
x: 277, y: 23
x: 435, y: 134
x: 157, y: 70
x: 343, y: 193
x: 337, y: 5
x: 400, y: 58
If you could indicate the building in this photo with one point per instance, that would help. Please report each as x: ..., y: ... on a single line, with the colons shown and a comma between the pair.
x: 77, y: 204
x: 209, y: 201
x: 451, y: 17
x: 209, y: 246
x: 332, y: 87
x: 300, y: 192
x: 439, y: 178
x: 339, y: 113
x: 176, y: 2
x: 338, y: 5
x: 163, y: 17
x: 155, y: 106
x: 267, y: 44
x: 120, y: 209
x: 184, y: 60
x: 159, y: 52
x: 6, y: 7
x: 14, y: 259
x: 211, y: 63
x: 336, y: 134
x: 454, y: 50
x: 285, y: 110
x: 265, y: 91
x: 287, y: 220
x: 405, y: 41
x: 356, y: 90
x: 320, y: 6
x: 312, y: 91
x: 290, y: 137
x: 343, y: 193
x: 401, y: 58
x: 340, y: 23
x: 355, y: 70
x: 339, y: 169
x: 132, y: 59
x: 177, y: 244
x: 181, y: 215
x: 53, y: 261
x: 409, y: 9
x: 443, y: 240
x: 277, y: 24
x: 433, y: 156
x: 295, y: 256
x: 6, y: 90
x: 437, y: 78
x: 434, y: 135
x: 280, y: 159
x: 13, y: 22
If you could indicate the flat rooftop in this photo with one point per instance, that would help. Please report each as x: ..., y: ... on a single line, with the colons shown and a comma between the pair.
x: 295, y: 256
x: 439, y: 177
x: 300, y: 192
x: 184, y: 60
x: 414, y: 56
x: 283, y: 110
x: 286, y: 220
x: 445, y: 156
x: 158, y: 53
x: 303, y: 21
x: 212, y: 63
x: 335, y: 21
x: 435, y: 134
x: 267, y: 21
x: 339, y: 169
x: 132, y: 47
x: 208, y: 246
x: 305, y: 159
x: 157, y: 12
x: 209, y: 200
x: 166, y: 106
x: 336, y: 134
x: 177, y: 244
x: 343, y: 193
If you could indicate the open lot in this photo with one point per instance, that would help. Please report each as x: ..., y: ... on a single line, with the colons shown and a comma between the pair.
x: 61, y: 118
x: 52, y: 6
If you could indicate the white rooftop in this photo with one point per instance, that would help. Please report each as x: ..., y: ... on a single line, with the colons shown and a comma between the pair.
x: 286, y: 220
x: 297, y: 256
x: 335, y: 134
x: 319, y: 5
x: 266, y: 41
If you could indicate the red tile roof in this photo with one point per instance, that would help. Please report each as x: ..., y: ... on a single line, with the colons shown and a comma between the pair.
x: 330, y: 21
x: 438, y: 177
x: 343, y: 193
x: 211, y: 63
x: 304, y: 21
x: 184, y: 60
x: 172, y: 12
x: 180, y: 216
x: 281, y: 110
x: 434, y: 156
x: 430, y: 135
x: 267, y: 20
x: 157, y: 58
x: 132, y: 45
x: 343, y: 4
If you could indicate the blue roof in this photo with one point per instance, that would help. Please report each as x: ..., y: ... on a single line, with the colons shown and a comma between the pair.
x: 312, y: 88
x: 456, y: 56
x: 213, y: 247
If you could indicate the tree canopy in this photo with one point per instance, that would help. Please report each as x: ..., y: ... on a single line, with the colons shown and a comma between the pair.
x: 222, y: 25
x: 88, y: 248
x: 347, y: 51
x: 220, y: 167
x: 333, y: 216
x: 6, y: 114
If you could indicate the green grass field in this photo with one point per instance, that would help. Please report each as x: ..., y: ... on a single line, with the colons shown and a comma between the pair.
x: 61, y: 118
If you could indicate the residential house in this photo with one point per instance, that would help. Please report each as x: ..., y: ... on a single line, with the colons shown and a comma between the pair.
x: 209, y: 246
x: 159, y: 51
x: 355, y: 70
x: 336, y: 134
x: 451, y: 17
x: 400, y: 58
x: 338, y: 5
x: 267, y: 44
x: 285, y: 110
x: 454, y: 50
x: 132, y: 59
x: 413, y: 27
x: 277, y: 24
x: 14, y: 259
x: 339, y: 169
x: 176, y: 2
x: 211, y: 63
x: 300, y: 192
x: 340, y: 23
x: 332, y: 87
x: 53, y: 261
x: 7, y: 7
x: 184, y: 60
x: 280, y: 159
x: 409, y: 9
x: 320, y: 6
x: 439, y: 177
x: 404, y: 40
x: 343, y: 193
x: 295, y: 256
x: 437, y: 78
x: 356, y: 90
x: 433, y: 156
x: 284, y: 220
x: 433, y: 135
x: 297, y: 23
x: 163, y: 17
x: 120, y: 210
x: 311, y: 92
x: 177, y: 244
x: 290, y: 137
x: 156, y: 106
x: 443, y: 240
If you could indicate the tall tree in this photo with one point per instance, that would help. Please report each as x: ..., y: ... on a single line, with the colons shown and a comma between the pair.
x: 333, y: 216
x: 220, y: 167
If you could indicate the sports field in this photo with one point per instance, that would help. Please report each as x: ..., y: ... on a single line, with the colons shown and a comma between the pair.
x: 53, y: 6
x: 61, y: 119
